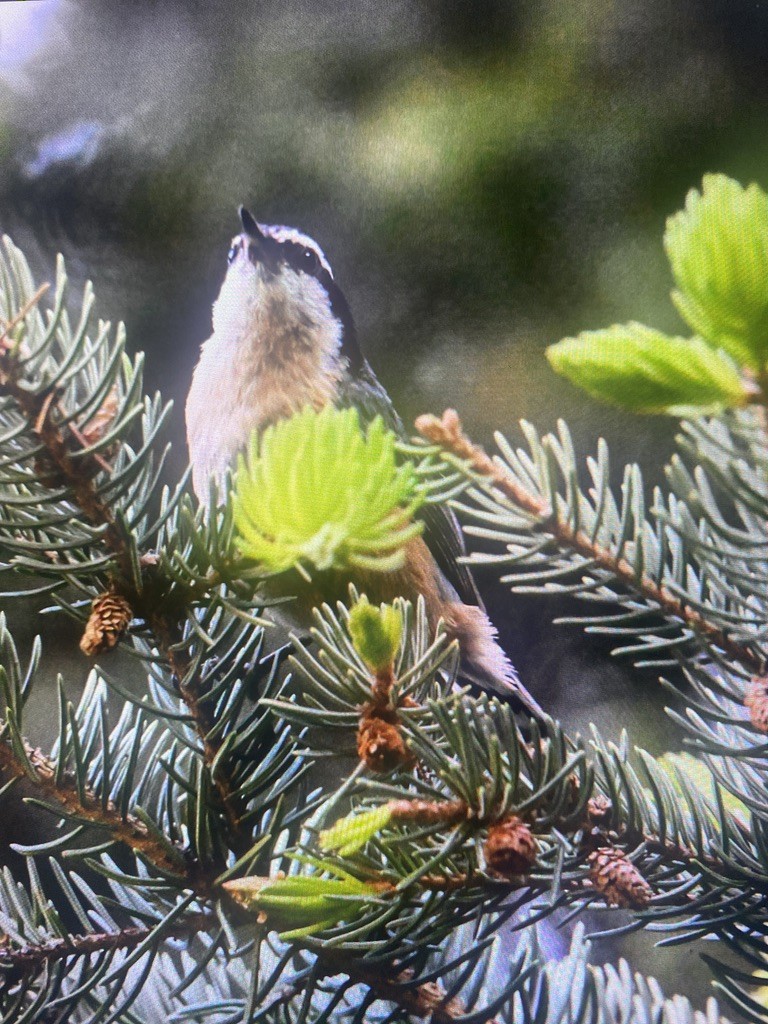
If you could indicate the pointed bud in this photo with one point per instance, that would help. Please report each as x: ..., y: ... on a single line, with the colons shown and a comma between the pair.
x: 376, y: 633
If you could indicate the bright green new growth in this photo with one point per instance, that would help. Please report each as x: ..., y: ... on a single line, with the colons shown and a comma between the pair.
x: 646, y: 371
x: 316, y: 491
x: 350, y: 834
x: 718, y: 249
x: 376, y: 633
x: 302, y: 905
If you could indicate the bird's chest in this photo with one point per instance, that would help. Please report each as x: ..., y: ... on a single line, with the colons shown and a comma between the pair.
x: 242, y: 385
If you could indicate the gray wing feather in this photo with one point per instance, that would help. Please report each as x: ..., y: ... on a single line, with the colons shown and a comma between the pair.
x: 442, y: 533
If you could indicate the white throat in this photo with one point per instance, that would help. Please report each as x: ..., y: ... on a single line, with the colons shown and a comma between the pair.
x: 275, y: 348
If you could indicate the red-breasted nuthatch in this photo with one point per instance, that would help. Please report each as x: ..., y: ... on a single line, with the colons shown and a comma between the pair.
x: 283, y: 338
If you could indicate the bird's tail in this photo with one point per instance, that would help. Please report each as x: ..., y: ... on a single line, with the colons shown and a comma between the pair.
x: 483, y: 662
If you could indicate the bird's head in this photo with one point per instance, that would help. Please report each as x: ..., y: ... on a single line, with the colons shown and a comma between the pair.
x: 279, y: 287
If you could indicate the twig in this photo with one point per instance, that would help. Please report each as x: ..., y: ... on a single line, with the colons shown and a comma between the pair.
x: 127, y: 830
x: 31, y: 957
x: 448, y: 433
x: 427, y: 1001
x: 429, y: 812
x: 168, y: 635
x: 27, y: 308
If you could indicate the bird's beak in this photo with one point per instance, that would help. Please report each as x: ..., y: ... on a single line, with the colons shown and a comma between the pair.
x: 258, y: 247
x: 250, y: 227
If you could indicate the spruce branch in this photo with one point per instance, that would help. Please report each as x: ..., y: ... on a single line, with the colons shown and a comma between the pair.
x: 472, y: 825
x: 447, y: 433
x: 166, y: 628
x: 390, y: 983
x: 419, y: 1000
x: 85, y: 806
x: 550, y: 819
x: 170, y: 641
x: 68, y: 461
x: 428, y: 1000
x: 33, y: 957
x: 48, y: 421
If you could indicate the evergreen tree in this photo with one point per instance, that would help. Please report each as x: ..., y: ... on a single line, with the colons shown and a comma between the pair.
x: 357, y: 836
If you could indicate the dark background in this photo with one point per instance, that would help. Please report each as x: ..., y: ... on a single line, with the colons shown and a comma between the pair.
x: 485, y: 177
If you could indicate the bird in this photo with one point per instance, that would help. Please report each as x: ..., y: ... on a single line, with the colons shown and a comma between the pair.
x: 283, y: 338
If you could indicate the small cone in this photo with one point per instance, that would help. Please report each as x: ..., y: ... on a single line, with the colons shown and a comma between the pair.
x: 110, y: 617
x: 510, y: 848
x: 615, y: 876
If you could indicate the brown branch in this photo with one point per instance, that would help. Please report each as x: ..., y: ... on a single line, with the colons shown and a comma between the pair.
x: 447, y: 432
x: 38, y: 408
x: 127, y: 830
x: 426, y: 1001
x: 168, y: 634
x: 429, y: 812
x: 29, y: 958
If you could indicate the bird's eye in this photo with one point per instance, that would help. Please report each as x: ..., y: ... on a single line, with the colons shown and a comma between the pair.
x: 309, y: 261
x: 232, y: 253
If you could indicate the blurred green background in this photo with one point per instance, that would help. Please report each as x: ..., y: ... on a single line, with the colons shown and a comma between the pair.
x: 485, y: 176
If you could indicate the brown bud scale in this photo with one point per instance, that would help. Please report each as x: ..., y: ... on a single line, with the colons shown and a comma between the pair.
x: 98, y: 424
x: 380, y: 745
x: 599, y: 809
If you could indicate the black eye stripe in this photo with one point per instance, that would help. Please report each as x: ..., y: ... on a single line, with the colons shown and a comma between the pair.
x: 300, y: 257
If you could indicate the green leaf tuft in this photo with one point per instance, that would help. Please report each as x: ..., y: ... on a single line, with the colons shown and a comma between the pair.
x: 303, y: 905
x: 315, y: 491
x: 376, y: 633
x: 350, y: 834
x: 646, y: 371
x: 718, y: 249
